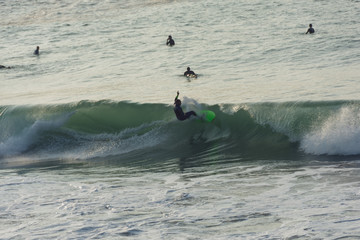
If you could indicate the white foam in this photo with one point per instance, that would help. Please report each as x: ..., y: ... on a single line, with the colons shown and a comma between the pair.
x: 20, y: 143
x: 338, y: 135
x: 130, y: 139
x: 191, y: 104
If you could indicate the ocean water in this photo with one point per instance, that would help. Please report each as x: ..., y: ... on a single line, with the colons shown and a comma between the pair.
x: 90, y: 147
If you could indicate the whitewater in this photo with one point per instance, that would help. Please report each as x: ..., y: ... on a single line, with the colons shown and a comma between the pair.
x: 90, y: 147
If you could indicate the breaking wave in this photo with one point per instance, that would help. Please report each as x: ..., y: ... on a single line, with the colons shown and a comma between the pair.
x: 88, y: 130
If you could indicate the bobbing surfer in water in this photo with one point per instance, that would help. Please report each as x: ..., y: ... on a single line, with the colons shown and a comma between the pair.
x: 189, y: 73
x: 179, y: 112
x: 310, y: 30
x: 2, y: 66
x: 170, y: 42
x: 37, y: 50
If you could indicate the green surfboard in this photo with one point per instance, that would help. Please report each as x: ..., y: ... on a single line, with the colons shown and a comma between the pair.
x: 206, y: 115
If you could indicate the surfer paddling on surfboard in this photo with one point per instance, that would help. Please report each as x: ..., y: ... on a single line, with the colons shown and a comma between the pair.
x: 178, y: 110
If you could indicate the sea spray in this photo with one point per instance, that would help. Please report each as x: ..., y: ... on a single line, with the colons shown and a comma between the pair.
x: 19, y: 143
x: 338, y: 135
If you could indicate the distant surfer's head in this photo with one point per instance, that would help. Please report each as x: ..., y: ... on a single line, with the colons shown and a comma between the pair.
x: 178, y: 102
x: 188, y: 68
x: 310, y: 25
x: 170, y: 36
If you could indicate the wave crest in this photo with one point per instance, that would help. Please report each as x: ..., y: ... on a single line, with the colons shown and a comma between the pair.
x: 97, y: 129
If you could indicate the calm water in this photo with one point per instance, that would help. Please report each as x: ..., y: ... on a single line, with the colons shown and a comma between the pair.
x: 90, y: 147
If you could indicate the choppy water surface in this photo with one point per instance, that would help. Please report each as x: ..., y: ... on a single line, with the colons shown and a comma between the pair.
x: 246, y: 200
x: 243, y: 51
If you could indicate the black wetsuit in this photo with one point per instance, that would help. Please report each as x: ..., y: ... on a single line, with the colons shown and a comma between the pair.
x: 170, y: 42
x: 180, y: 113
x: 189, y: 73
x: 310, y: 30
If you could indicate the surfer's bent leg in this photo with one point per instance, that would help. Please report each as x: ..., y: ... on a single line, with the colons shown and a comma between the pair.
x: 188, y: 114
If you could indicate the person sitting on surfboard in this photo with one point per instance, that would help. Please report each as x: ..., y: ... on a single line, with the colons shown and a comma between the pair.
x: 36, y: 52
x: 189, y: 72
x: 178, y: 110
x: 170, y: 41
x: 310, y: 30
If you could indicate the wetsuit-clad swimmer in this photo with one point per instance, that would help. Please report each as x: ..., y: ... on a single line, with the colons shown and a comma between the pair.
x: 189, y: 72
x: 310, y: 30
x: 2, y: 66
x: 179, y: 112
x: 37, y: 51
x: 170, y: 41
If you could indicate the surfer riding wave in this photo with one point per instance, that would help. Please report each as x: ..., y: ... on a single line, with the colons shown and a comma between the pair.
x: 179, y: 112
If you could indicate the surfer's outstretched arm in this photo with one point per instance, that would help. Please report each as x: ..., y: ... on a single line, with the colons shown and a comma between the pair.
x: 177, y: 95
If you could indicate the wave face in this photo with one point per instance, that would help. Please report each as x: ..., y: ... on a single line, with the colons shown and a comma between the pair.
x: 125, y: 131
